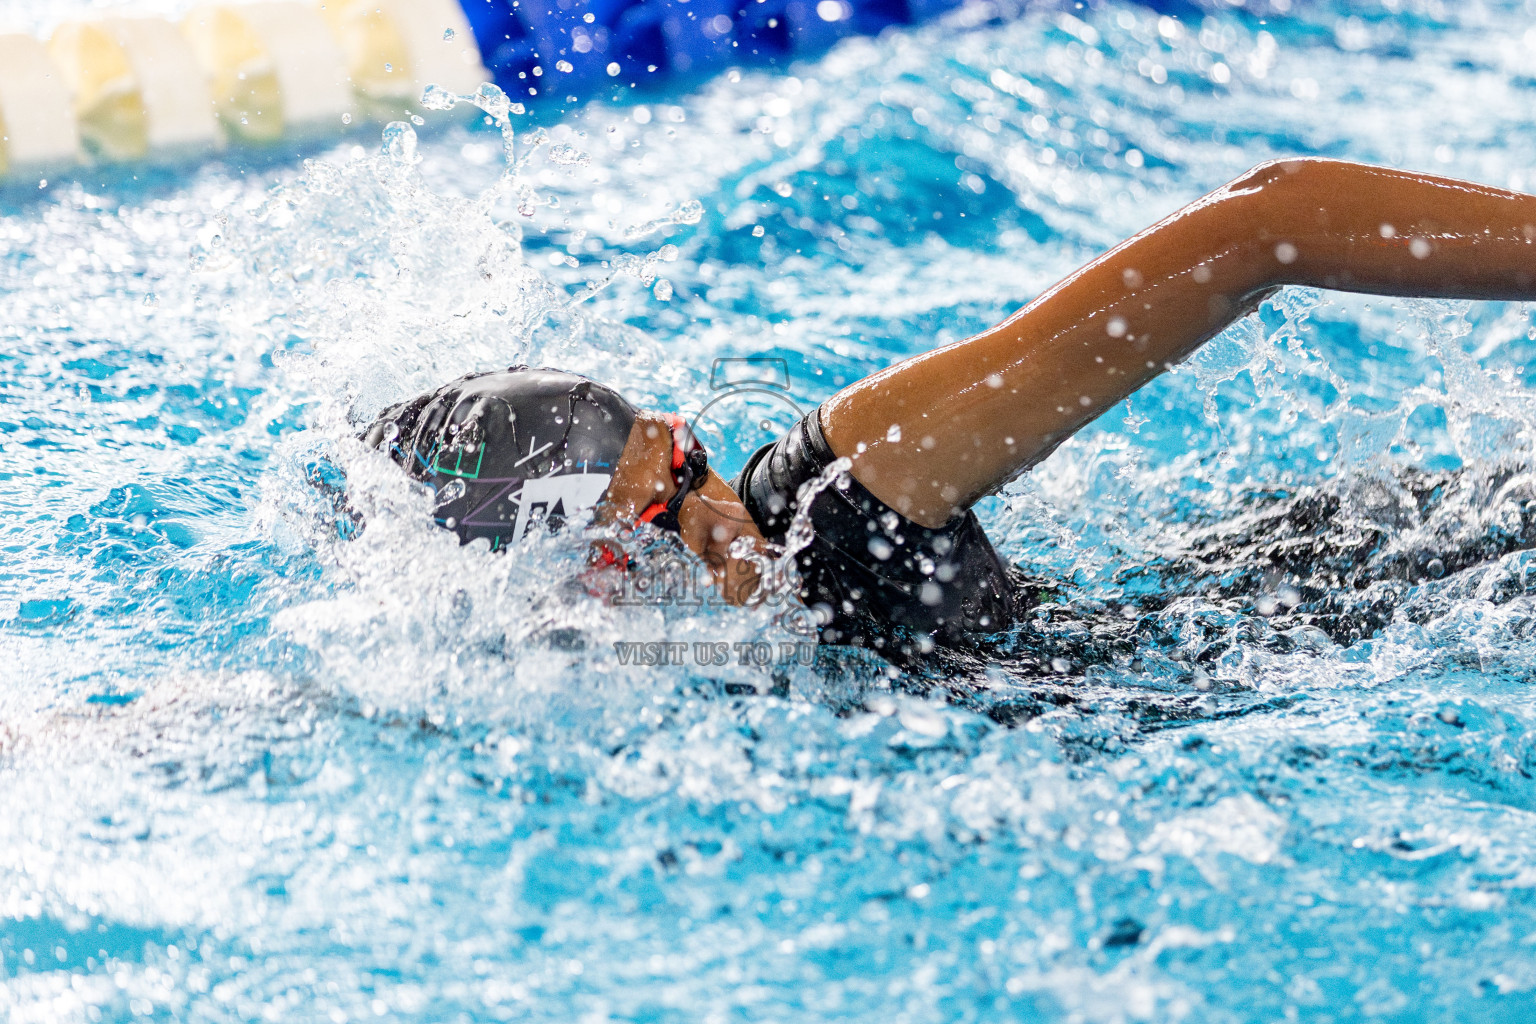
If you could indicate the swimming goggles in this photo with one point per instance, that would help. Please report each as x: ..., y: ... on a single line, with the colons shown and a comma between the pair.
x: 690, y: 470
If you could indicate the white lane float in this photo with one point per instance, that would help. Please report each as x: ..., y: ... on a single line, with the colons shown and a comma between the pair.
x: 137, y: 88
x: 118, y: 89
x: 395, y: 48
x: 37, y: 124
x: 274, y: 69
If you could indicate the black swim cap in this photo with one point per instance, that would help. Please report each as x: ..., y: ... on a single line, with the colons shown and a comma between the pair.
x: 509, y: 449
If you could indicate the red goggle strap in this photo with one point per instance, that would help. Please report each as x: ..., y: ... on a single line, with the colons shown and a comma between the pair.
x: 684, y: 474
x: 684, y: 443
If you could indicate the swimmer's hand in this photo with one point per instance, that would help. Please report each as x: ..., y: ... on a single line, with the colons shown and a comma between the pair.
x: 711, y: 518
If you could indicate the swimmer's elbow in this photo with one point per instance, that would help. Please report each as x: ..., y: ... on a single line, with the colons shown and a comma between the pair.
x: 1287, y: 177
x: 1283, y: 204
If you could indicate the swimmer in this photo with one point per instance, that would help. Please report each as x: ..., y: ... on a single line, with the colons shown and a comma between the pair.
x: 898, y: 561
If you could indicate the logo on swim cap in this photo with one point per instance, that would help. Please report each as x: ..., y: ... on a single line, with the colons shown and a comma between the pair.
x: 555, y: 499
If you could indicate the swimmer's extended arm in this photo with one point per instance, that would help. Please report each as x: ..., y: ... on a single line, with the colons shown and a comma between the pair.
x: 972, y: 415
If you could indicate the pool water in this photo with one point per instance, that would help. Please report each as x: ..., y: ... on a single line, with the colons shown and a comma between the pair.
x: 255, y: 765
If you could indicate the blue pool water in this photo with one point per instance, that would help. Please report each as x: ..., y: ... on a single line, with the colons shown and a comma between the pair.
x: 250, y: 770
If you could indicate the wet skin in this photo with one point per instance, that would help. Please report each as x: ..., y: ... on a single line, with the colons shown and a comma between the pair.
x: 971, y: 416
x: 932, y: 434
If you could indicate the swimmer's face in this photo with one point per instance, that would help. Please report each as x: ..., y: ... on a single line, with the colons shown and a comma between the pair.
x: 711, y: 518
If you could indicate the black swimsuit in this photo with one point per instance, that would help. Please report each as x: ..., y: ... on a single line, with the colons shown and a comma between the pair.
x: 873, y: 577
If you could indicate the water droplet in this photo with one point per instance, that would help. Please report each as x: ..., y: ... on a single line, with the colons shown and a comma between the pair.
x: 346, y: 118
x: 435, y: 97
x: 450, y: 492
x: 416, y: 119
x: 662, y: 289
x: 400, y: 142
x: 447, y: 34
x: 1435, y: 568
x: 831, y: 10
x: 614, y: 69
x: 667, y: 253
x: 589, y: 17
x: 564, y: 65
x: 568, y: 156
x: 689, y: 212
x: 758, y: 232
x: 389, y: 69
x: 491, y: 100
x: 894, y: 434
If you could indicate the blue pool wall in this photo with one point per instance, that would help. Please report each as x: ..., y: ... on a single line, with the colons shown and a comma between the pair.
x: 580, y: 50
